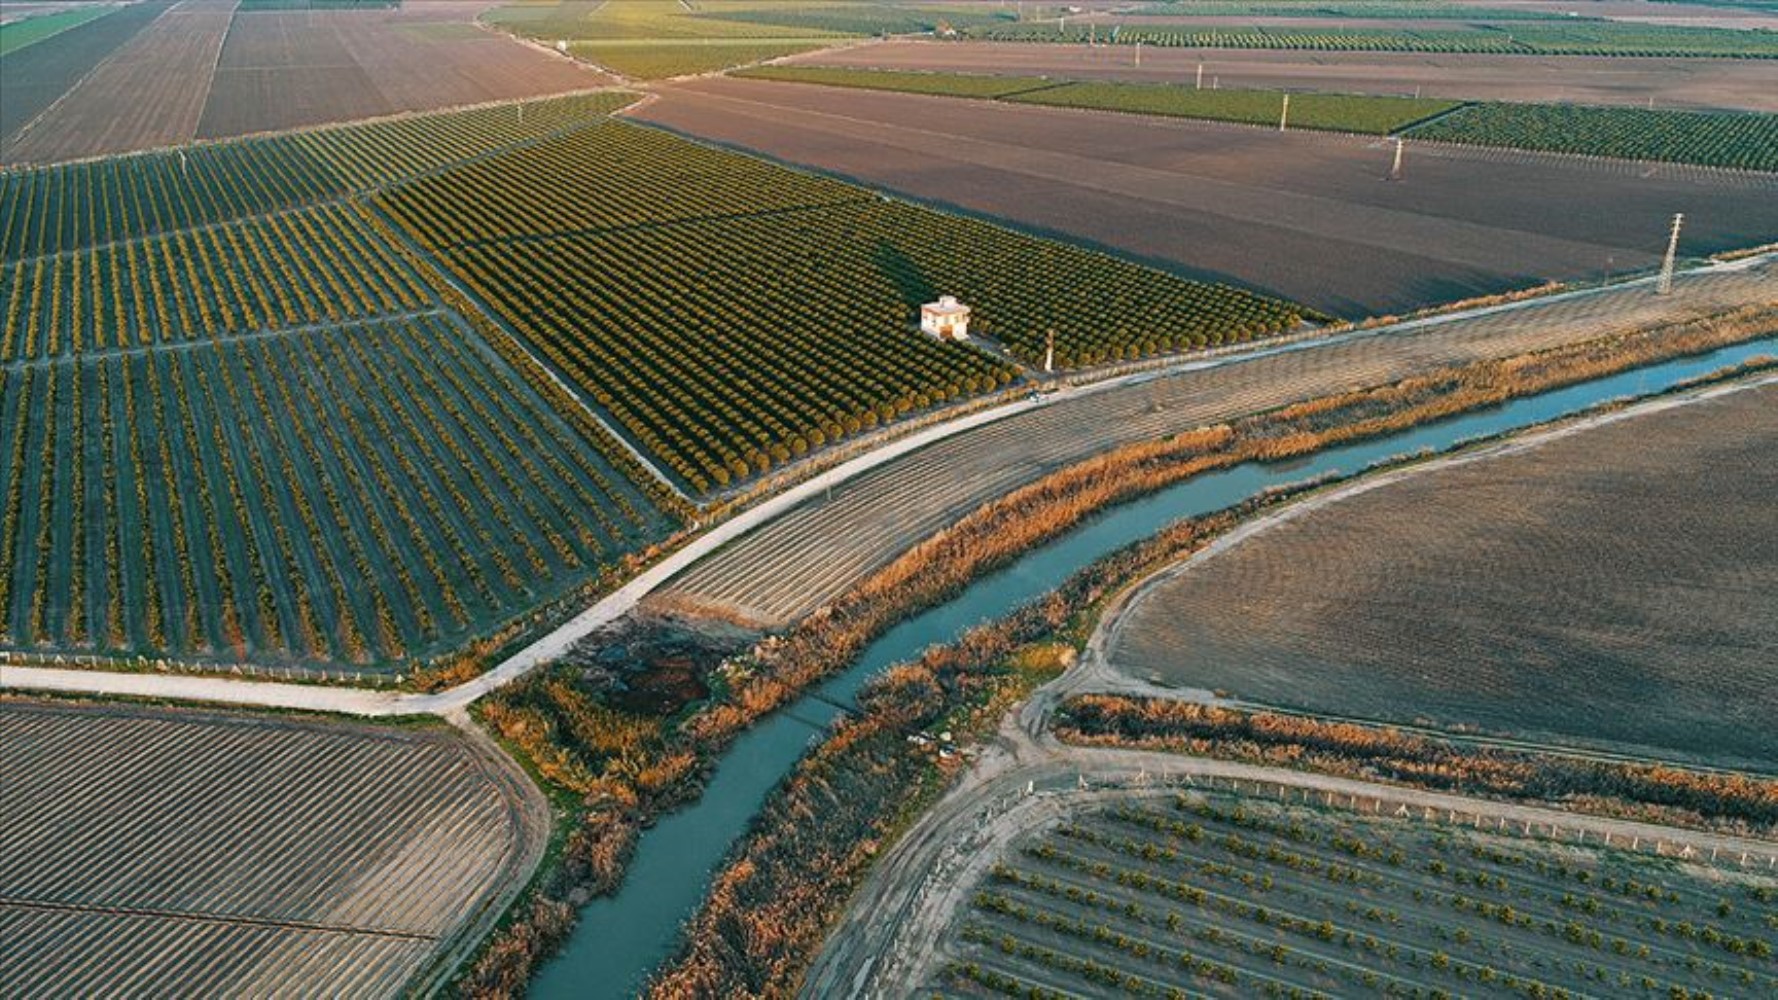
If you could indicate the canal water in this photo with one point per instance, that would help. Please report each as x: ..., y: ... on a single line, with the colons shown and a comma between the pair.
x: 621, y: 939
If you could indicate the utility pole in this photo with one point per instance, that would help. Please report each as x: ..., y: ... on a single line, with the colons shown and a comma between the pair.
x: 1665, y: 285
x: 1284, y: 115
x: 1139, y: 54
x: 1049, y: 352
x: 1200, y: 76
x: 1395, y: 168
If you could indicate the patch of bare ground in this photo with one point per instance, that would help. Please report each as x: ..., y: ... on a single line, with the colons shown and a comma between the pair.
x: 149, y: 93
x: 289, y: 69
x: 1612, y: 589
x: 154, y: 851
x: 1305, y: 216
x: 1672, y: 83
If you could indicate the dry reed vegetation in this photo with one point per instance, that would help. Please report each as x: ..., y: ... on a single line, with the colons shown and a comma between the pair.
x: 617, y: 803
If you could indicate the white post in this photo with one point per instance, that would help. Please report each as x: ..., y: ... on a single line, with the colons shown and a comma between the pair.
x: 1049, y: 354
x: 1200, y: 76
x: 1138, y: 54
x: 1395, y: 168
x: 1284, y: 115
x: 1665, y: 285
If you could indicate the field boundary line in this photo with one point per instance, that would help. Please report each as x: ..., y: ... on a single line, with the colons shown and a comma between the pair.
x: 252, y: 336
x: 226, y: 690
x: 444, y: 274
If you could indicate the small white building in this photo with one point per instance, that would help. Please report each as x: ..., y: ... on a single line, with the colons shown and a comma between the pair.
x: 946, y: 319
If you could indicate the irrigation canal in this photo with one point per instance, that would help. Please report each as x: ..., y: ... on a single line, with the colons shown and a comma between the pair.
x: 621, y: 939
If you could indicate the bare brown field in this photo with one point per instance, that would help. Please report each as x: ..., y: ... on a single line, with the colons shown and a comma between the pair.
x: 149, y: 93
x: 288, y: 69
x: 36, y: 76
x: 1672, y: 83
x: 1307, y: 216
x: 768, y: 576
x: 1613, y: 588
x: 161, y: 852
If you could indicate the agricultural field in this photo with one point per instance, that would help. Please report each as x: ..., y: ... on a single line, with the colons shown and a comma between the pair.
x: 1546, y: 38
x: 648, y: 40
x: 1335, y: 112
x: 313, y: 266
x: 765, y: 576
x: 73, y: 206
x: 705, y: 334
x: 1739, y: 140
x: 1214, y: 895
x: 159, y: 852
x: 34, y: 26
x: 1698, y: 84
x: 1303, y: 215
x: 332, y: 496
x: 159, y: 81
x: 937, y: 84
x: 289, y: 69
x: 35, y: 76
x: 242, y: 430
x: 1746, y: 141
x: 159, y: 73
x: 859, y: 18
x: 1651, y: 630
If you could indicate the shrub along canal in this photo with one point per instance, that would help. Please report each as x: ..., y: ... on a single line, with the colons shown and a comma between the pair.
x: 621, y: 939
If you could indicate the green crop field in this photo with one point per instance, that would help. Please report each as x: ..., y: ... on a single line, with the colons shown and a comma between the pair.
x: 1570, y: 38
x: 344, y: 495
x: 241, y: 424
x: 75, y: 205
x: 858, y: 18
x: 731, y: 314
x: 1215, y: 896
x: 661, y: 60
x: 306, y: 267
x: 1335, y: 112
x: 15, y: 35
x: 938, y: 84
x: 1747, y: 141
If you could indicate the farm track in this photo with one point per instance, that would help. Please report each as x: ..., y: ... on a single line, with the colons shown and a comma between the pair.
x: 154, y: 850
x: 767, y: 575
x: 870, y: 511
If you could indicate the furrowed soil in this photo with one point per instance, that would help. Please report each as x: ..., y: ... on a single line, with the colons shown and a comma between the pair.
x: 1672, y: 83
x: 1611, y: 589
x: 159, y: 852
x: 36, y: 76
x: 1305, y: 216
x: 289, y: 69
